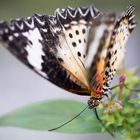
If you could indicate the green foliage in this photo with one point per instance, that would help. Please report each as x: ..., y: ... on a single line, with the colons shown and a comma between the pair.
x: 124, y: 122
x: 48, y: 115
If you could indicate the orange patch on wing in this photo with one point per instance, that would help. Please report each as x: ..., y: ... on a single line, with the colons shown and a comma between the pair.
x: 97, y: 93
x: 100, y: 66
x: 100, y: 70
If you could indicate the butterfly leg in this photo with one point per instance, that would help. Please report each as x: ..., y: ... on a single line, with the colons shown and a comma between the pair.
x: 102, y: 123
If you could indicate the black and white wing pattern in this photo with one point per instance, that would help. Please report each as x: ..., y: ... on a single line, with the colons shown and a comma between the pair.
x: 98, y: 42
x: 110, y: 36
x: 77, y: 49
x: 53, y: 46
x: 117, y: 46
x: 110, y: 42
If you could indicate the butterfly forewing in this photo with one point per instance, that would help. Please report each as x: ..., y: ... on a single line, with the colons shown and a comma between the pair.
x: 73, y: 44
x: 53, y: 46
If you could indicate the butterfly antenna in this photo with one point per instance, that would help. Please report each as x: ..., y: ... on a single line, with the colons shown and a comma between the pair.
x: 133, y: 90
x: 69, y: 120
x: 114, y: 87
x: 101, y: 122
x: 125, y: 85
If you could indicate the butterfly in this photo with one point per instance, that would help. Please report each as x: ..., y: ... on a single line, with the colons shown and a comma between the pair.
x: 78, y: 49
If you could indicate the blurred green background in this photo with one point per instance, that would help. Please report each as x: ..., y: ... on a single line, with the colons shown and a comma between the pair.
x: 17, y: 84
x: 22, y: 8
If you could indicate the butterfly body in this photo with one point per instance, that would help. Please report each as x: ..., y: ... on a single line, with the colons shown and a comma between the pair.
x: 77, y: 49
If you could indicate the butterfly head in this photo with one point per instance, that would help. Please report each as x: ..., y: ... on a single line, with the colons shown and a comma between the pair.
x: 95, y: 99
x: 93, y: 102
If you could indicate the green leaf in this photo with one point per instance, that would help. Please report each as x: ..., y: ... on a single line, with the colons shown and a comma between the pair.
x: 134, y: 101
x: 48, y: 115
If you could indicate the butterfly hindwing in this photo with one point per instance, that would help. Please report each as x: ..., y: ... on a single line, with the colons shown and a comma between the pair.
x: 98, y: 42
x: 116, y: 50
x: 106, y: 47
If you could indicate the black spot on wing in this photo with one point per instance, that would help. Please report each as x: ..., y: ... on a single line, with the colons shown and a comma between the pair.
x: 70, y: 35
x: 74, y: 44
x: 79, y: 54
x: 60, y: 60
x: 77, y: 32
x: 79, y: 41
x: 83, y: 31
